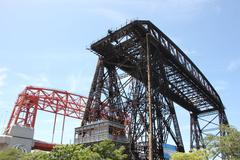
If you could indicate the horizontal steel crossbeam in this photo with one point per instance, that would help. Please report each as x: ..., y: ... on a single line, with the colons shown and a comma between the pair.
x: 126, y: 46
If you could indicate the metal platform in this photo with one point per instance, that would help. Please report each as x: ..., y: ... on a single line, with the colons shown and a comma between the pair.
x: 100, y: 130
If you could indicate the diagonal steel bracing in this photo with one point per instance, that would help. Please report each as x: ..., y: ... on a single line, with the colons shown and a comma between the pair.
x: 175, y: 78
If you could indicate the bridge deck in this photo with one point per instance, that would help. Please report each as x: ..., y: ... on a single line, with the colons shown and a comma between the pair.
x: 174, y: 74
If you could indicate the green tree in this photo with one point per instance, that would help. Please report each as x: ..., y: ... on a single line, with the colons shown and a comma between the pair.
x: 229, y: 144
x: 88, y: 154
x: 37, y: 155
x: 109, y: 151
x: 194, y: 155
x: 10, y: 154
x: 67, y: 152
x: 105, y: 150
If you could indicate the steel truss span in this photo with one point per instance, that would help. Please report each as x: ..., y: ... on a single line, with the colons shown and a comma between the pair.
x: 120, y: 82
x: 34, y: 99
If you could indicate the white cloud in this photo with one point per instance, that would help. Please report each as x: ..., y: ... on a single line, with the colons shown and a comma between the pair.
x: 111, y: 14
x: 42, y: 80
x: 4, y: 115
x: 173, y: 9
x: 73, y: 82
x: 166, y: 8
x: 39, y: 80
x: 221, y: 85
x: 120, y: 10
x: 184, y: 5
x: 182, y: 9
x: 233, y: 65
x: 79, y: 84
x: 191, y: 53
x: 4, y: 112
x: 3, y: 76
x: 24, y: 76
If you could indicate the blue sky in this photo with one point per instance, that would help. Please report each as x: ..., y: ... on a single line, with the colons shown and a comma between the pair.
x: 43, y: 43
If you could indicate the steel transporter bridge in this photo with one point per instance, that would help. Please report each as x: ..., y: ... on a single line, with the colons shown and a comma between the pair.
x: 140, y: 77
x: 139, y: 61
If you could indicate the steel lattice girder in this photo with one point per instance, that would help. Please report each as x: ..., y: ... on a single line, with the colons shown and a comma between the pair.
x: 127, y: 104
x: 125, y: 48
x: 175, y: 78
x: 33, y: 99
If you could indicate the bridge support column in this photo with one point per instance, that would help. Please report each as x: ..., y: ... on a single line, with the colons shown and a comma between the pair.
x: 19, y: 137
x: 205, y: 124
x: 196, y: 138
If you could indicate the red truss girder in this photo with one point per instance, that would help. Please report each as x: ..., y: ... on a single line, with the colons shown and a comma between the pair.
x: 33, y: 99
x: 40, y: 145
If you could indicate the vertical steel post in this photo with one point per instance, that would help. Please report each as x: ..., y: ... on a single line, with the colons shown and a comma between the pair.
x: 54, y: 126
x: 55, y: 119
x: 63, y: 125
x: 64, y: 116
x: 150, y: 131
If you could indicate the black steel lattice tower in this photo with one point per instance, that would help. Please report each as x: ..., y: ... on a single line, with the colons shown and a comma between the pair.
x: 119, y: 90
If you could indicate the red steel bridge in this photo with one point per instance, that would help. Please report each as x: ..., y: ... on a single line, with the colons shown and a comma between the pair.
x: 34, y: 99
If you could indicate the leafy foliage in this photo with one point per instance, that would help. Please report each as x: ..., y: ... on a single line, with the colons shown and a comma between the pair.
x: 37, y: 155
x: 229, y: 144
x: 108, y: 151
x: 105, y: 150
x: 72, y: 152
x: 194, y: 155
x: 10, y: 154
